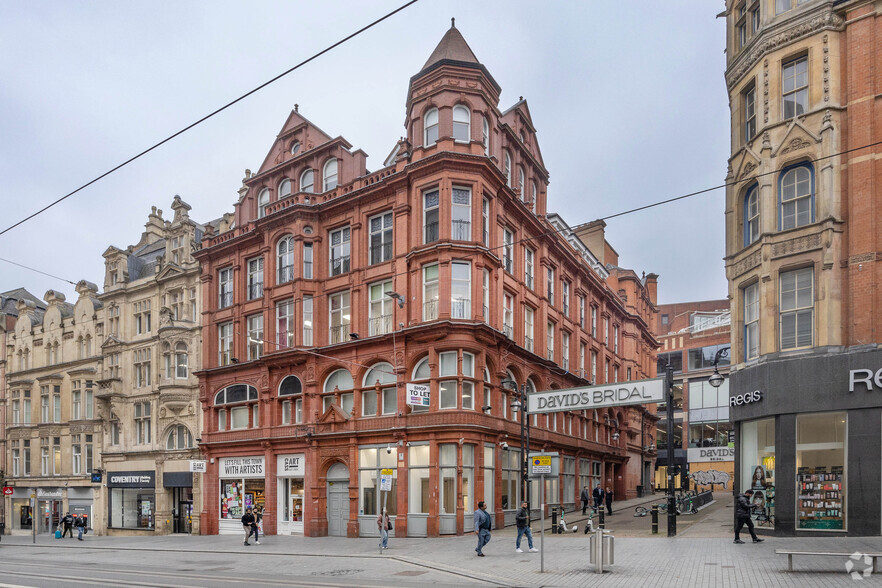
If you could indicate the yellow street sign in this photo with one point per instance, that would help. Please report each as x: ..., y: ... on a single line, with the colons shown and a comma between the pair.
x: 386, y: 472
x: 542, y: 460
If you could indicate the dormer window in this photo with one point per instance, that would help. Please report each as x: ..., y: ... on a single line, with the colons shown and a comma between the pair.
x: 329, y: 175
x: 461, y: 124
x: 262, y: 202
x: 295, y: 147
x: 430, y: 126
x: 307, y: 180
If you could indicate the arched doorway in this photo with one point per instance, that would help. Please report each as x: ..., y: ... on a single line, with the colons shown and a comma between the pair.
x: 338, y: 499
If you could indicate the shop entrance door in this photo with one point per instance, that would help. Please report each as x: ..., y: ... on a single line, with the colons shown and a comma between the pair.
x: 183, y: 513
x: 50, y: 515
x: 338, y: 500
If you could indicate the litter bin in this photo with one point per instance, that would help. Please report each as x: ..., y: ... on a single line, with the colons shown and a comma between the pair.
x: 608, y: 548
x: 639, y: 491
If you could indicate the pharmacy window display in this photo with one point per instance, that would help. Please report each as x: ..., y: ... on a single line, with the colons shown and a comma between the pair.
x: 820, y: 471
x: 758, y: 466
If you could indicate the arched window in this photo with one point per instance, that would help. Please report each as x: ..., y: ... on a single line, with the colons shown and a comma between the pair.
x: 262, y: 202
x: 339, y: 383
x: 522, y: 182
x: 291, y: 391
x: 167, y: 359
x: 285, y: 259
x: 534, y: 194
x: 285, y: 188
x: 462, y: 127
x: 179, y: 437
x: 80, y: 347
x: 382, y: 376
x: 295, y: 147
x: 329, y: 175
x: 506, y: 167
x: 181, y: 361
x: 430, y: 127
x: 751, y: 216
x: 485, y: 136
x: 88, y: 345
x: 307, y: 181
x: 422, y: 371
x: 797, y: 198
x: 244, y: 410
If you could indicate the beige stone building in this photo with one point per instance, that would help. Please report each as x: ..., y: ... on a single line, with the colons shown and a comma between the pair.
x: 53, y: 430
x: 148, y: 393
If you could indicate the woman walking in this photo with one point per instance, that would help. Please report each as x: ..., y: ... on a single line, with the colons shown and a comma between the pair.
x: 384, y: 524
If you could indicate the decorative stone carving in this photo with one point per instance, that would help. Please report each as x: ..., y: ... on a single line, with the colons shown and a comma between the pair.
x: 748, y: 263
x: 862, y: 258
x: 796, y: 245
x: 748, y: 167
x: 765, y: 91
x: 795, y: 144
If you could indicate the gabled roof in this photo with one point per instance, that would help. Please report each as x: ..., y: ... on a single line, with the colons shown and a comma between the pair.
x: 9, y: 299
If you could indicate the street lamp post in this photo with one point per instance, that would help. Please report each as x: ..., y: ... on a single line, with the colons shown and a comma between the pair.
x: 672, y: 501
x: 521, y: 405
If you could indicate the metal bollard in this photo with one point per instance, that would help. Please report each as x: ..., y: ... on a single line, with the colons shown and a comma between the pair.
x: 554, y: 528
x: 601, y: 519
x: 654, y: 519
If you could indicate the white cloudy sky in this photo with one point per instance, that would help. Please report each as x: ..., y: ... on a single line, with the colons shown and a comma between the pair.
x: 628, y: 99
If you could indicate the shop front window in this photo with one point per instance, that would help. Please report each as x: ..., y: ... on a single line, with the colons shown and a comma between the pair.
x: 131, y: 508
x: 820, y: 471
x: 758, y: 464
x: 371, y: 463
x: 418, y: 492
x: 238, y: 494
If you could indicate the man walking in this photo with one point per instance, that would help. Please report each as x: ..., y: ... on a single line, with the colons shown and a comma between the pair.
x: 586, y: 498
x: 522, y: 520
x: 67, y: 522
x: 80, y: 524
x: 742, y: 517
x: 248, y: 520
x: 609, y: 496
x: 482, y: 527
x: 598, y: 497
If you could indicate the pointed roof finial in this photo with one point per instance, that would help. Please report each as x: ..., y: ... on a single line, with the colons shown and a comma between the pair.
x: 452, y: 23
x: 296, y: 108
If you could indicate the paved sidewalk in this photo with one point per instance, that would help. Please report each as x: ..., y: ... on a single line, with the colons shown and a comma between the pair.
x: 658, y: 561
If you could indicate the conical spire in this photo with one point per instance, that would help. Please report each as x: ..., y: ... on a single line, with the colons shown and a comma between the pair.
x: 452, y: 47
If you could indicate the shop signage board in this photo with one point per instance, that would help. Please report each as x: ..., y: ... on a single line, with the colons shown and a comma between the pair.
x: 137, y: 479
x: 708, y: 454
x: 242, y: 467
x: 50, y: 492
x: 589, y: 397
x: 198, y: 466
x: 291, y: 466
x: 418, y: 394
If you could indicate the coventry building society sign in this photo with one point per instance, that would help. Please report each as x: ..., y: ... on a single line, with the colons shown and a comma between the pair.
x: 589, y: 397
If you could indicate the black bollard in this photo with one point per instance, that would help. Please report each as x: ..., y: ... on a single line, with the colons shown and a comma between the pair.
x: 655, y: 519
x: 554, y: 520
x: 601, y: 518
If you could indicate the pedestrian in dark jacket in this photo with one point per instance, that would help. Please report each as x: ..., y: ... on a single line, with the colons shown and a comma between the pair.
x: 67, y: 523
x: 255, y: 526
x: 608, y: 495
x: 482, y: 527
x: 80, y: 524
x: 598, y: 497
x: 742, y: 517
x: 522, y: 520
x: 585, y: 497
x: 248, y: 520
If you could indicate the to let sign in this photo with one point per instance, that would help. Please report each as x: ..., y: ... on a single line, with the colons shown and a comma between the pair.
x: 418, y: 395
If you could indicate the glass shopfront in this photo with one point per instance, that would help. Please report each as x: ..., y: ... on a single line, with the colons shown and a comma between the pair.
x: 242, y: 486
x: 22, y: 516
x: 820, y: 471
x: 131, y: 500
x: 290, y: 470
x: 758, y: 465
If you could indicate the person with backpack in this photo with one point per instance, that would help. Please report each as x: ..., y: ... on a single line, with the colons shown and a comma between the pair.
x: 742, y: 517
x: 67, y: 523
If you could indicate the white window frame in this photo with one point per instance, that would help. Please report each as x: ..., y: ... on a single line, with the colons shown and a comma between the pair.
x: 802, y: 312
x: 431, y: 292
x: 462, y: 118
x: 430, y: 127
x: 329, y: 174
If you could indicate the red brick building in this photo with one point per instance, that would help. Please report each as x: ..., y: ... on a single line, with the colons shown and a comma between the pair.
x: 336, y: 287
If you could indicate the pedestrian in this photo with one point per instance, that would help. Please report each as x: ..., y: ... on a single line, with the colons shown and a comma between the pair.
x: 255, y: 526
x: 742, y: 517
x: 482, y: 527
x: 67, y: 523
x: 598, y: 497
x: 609, y: 497
x: 248, y: 520
x: 586, y: 498
x: 80, y: 524
x: 384, y: 524
x: 522, y: 520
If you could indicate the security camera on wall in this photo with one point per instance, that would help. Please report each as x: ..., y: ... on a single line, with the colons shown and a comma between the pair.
x: 389, y: 449
x: 504, y: 445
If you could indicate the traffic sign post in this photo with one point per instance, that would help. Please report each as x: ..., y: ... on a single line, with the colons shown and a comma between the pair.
x: 385, y: 488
